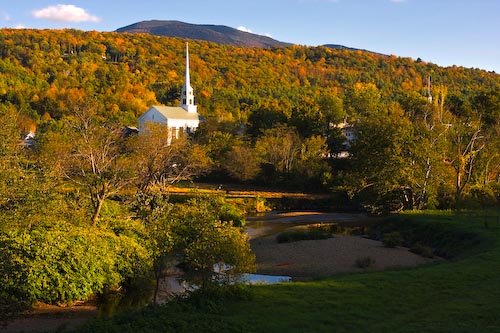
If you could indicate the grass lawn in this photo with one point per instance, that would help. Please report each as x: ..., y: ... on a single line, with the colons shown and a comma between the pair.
x: 459, y: 295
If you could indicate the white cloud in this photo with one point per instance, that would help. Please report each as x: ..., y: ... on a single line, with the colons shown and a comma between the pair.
x: 20, y: 26
x: 242, y: 28
x: 397, y: 1
x: 65, y: 13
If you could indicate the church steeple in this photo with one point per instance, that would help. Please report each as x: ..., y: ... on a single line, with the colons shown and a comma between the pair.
x: 429, y: 96
x: 187, y: 95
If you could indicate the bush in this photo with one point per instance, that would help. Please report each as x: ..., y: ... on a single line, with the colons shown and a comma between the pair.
x: 422, y: 250
x: 480, y: 197
x: 445, y: 239
x: 61, y: 266
x: 365, y: 262
x: 218, y: 294
x: 261, y: 205
x: 392, y: 239
x: 311, y: 233
x: 229, y: 213
x: 349, y: 231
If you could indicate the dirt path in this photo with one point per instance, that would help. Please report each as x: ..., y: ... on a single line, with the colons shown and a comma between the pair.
x: 45, y: 317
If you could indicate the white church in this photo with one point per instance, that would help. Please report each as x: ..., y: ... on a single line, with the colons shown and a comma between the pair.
x: 178, y: 119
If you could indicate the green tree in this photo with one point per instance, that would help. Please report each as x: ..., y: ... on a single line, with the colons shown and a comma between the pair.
x: 363, y: 99
x: 264, y: 118
x: 308, y: 118
x: 466, y: 144
x: 431, y: 124
x: 10, y: 153
x: 155, y: 212
x: 491, y: 155
x: 381, y: 163
x: 332, y: 106
x: 311, y: 169
x: 487, y: 104
x: 25, y: 190
x: 207, y: 241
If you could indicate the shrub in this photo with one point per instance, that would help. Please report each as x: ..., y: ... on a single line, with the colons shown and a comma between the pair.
x: 480, y: 197
x: 365, y: 262
x: 349, y: 231
x: 61, y: 266
x: 290, y: 236
x: 229, y: 213
x: 261, y: 205
x: 218, y: 294
x: 392, y: 239
x: 422, y: 250
x: 446, y: 240
x: 311, y: 233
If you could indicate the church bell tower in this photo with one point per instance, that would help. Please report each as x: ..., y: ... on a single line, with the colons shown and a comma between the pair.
x: 187, y: 95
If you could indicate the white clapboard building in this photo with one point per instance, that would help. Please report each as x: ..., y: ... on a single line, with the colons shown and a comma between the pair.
x: 177, y: 119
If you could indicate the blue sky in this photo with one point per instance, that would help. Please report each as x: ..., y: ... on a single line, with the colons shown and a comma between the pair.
x: 445, y: 32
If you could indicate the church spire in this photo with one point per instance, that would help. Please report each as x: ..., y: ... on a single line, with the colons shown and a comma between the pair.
x: 187, y: 95
x: 429, y: 96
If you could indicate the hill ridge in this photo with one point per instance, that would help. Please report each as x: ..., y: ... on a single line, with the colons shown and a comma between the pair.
x: 220, y: 34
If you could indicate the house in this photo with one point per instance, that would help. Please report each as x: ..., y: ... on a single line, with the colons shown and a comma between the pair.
x: 28, y: 140
x: 177, y: 119
x: 350, y: 136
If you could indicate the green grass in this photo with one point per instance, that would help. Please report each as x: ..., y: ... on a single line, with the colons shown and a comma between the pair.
x: 459, y: 295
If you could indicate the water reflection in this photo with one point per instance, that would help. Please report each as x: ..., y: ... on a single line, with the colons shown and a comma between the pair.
x: 172, y: 286
x: 264, y: 279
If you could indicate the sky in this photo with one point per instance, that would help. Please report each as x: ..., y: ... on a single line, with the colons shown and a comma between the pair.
x: 445, y: 32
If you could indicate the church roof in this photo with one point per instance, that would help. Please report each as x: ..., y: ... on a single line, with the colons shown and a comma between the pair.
x: 176, y: 112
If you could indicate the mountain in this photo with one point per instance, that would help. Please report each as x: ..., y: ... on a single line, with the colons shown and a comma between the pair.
x: 342, y: 47
x: 219, y: 34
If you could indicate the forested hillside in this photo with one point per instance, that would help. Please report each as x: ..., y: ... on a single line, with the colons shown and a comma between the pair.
x: 408, y: 151
x: 45, y: 71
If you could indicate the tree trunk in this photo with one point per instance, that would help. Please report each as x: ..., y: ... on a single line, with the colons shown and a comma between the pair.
x: 100, y: 196
x: 459, y: 186
x: 97, y: 210
x: 423, y: 199
x: 158, y: 277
